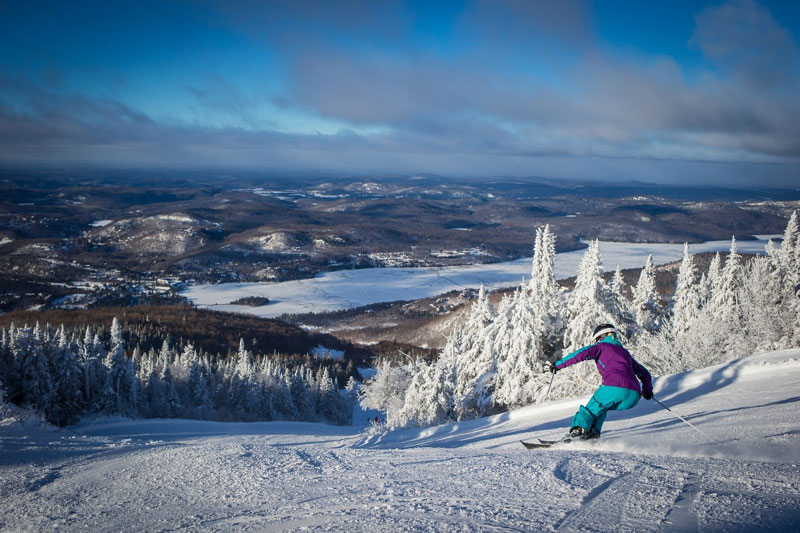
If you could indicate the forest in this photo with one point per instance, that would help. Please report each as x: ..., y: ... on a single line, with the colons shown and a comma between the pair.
x: 67, y: 374
x: 497, y: 359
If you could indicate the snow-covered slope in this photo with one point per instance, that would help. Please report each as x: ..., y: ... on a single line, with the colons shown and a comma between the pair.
x: 649, y: 472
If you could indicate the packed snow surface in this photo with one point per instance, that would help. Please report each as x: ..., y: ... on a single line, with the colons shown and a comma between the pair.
x: 345, y: 289
x: 649, y: 472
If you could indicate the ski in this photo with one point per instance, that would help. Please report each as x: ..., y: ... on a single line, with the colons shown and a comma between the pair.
x: 543, y: 443
x: 551, y: 442
x: 535, y: 445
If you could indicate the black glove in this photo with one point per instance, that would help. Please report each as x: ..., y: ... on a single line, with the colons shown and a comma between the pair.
x: 551, y: 367
x: 647, y: 394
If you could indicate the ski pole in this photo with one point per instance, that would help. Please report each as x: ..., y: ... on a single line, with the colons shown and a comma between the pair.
x: 549, y: 386
x: 684, y: 420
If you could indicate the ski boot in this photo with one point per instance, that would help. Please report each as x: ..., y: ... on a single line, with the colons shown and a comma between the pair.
x: 576, y: 433
x: 592, y: 434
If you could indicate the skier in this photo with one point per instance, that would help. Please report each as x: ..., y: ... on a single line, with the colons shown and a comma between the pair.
x: 620, y: 389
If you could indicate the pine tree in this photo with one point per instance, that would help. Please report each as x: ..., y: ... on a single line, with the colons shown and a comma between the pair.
x: 724, y: 300
x: 329, y: 399
x: 447, y: 373
x: 9, y: 368
x: 473, y: 355
x: 477, y: 369
x: 425, y: 402
x: 645, y: 306
x: 587, y: 304
x: 767, y: 323
x: 713, y: 279
x: 387, y: 391
x: 67, y: 375
x: 90, y: 356
x: 619, y: 304
x: 165, y: 355
x: 35, y: 387
x: 481, y: 313
x: 172, y: 399
x: 281, y: 398
x: 199, y: 394
x: 120, y: 391
x: 520, y: 367
x: 785, y: 262
x: 302, y: 400
x: 351, y: 393
x: 155, y: 396
x: 790, y: 248
x: 254, y: 400
x: 244, y: 361
x: 687, y: 299
x: 714, y: 331
x: 545, y: 294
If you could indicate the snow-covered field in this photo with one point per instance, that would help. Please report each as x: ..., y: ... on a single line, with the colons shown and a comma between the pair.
x: 649, y: 472
x: 345, y: 289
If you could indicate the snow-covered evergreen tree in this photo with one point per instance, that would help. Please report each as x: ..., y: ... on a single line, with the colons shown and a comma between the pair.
x: 244, y: 361
x: 199, y: 393
x: 165, y: 355
x: 645, y: 305
x: 8, y: 369
x: 687, y: 298
x: 301, y: 397
x: 35, y: 386
x: 155, y: 395
x: 766, y: 324
x: 474, y: 392
x: 713, y: 279
x: 351, y: 397
x: 425, y: 402
x: 67, y: 376
x: 120, y: 390
x: 725, y: 298
x: 721, y: 316
x: 480, y: 316
x: 329, y: 399
x: 785, y: 263
x: 471, y: 359
x: 587, y: 304
x: 520, y: 368
x: 90, y: 355
x: 172, y: 399
x: 789, y: 253
x: 387, y: 391
x: 619, y: 305
x: 545, y: 295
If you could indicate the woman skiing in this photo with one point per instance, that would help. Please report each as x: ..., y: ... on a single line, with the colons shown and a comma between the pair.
x: 621, y: 376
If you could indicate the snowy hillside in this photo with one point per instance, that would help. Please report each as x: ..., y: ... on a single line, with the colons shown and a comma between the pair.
x: 649, y: 472
x: 171, y: 234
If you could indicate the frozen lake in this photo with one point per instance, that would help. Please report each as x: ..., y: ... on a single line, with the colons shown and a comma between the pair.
x: 345, y: 289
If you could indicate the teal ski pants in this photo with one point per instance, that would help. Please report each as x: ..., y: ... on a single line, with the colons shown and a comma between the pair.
x: 605, y: 399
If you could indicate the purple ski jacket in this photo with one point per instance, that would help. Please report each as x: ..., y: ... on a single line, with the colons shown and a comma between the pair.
x: 615, y: 364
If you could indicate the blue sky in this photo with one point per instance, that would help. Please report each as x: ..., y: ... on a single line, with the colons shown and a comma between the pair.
x: 661, y: 91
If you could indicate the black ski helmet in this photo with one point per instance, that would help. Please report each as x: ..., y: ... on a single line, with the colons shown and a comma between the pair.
x: 601, y: 331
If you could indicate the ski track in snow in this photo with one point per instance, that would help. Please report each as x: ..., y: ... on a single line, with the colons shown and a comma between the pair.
x: 649, y: 472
